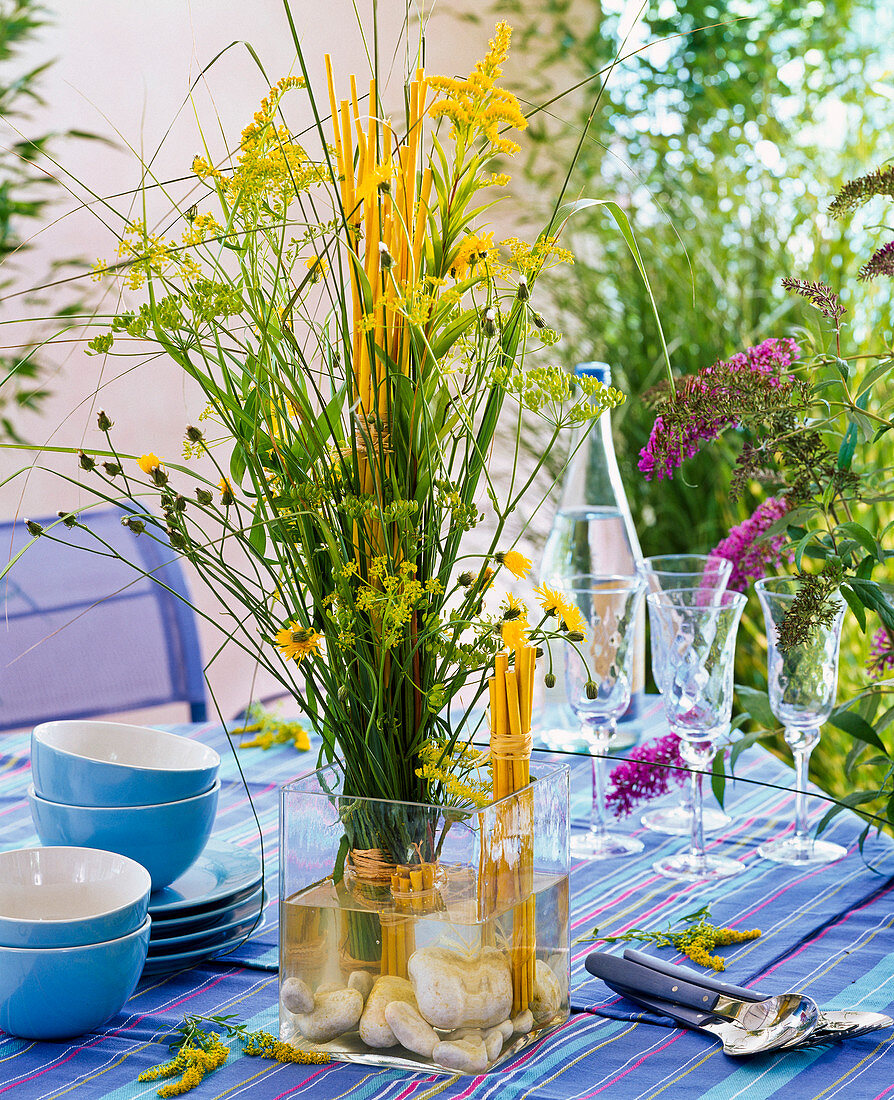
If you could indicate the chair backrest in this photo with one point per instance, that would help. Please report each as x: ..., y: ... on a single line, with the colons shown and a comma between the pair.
x: 82, y: 633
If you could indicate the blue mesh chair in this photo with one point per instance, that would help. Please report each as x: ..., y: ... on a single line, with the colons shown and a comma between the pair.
x: 83, y: 634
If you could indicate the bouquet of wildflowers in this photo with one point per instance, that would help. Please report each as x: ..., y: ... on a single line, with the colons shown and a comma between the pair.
x: 357, y: 336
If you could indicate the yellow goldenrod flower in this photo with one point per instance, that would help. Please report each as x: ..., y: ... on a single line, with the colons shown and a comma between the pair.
x: 296, y: 642
x: 477, y: 108
x: 517, y: 564
x: 554, y: 603
x: 149, y: 462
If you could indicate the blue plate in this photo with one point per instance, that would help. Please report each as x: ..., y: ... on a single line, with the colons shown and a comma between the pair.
x: 209, y: 920
x: 175, y: 945
x: 193, y: 935
x: 182, y: 960
x: 222, y: 873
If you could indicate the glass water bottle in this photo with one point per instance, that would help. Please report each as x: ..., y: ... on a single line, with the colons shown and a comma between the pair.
x: 592, y: 531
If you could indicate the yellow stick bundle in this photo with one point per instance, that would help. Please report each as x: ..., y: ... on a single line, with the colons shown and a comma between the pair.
x: 511, y: 699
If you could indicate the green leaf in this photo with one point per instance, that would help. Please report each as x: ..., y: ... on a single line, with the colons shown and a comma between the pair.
x: 744, y: 742
x: 857, y: 727
x: 757, y: 703
x: 718, y: 778
x: 855, y: 604
x: 863, y: 537
x: 849, y: 802
x: 871, y: 595
x: 623, y: 224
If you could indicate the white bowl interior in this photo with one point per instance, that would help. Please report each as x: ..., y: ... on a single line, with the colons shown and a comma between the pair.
x: 65, y: 884
x: 130, y: 746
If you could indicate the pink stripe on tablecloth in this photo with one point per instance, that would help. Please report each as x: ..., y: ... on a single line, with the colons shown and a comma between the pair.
x: 843, y: 919
x: 630, y: 1069
x: 118, y: 1031
x: 301, y: 1084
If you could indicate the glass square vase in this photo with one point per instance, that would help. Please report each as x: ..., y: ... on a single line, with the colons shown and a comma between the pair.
x: 423, y: 937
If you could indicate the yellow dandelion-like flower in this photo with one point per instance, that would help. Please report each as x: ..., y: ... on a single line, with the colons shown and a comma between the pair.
x: 149, y: 462
x: 554, y: 603
x: 296, y: 642
x: 317, y: 266
x: 226, y: 491
x: 472, y: 251
x: 517, y: 564
x: 515, y: 633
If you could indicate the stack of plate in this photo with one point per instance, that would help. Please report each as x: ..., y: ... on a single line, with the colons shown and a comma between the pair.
x: 209, y: 909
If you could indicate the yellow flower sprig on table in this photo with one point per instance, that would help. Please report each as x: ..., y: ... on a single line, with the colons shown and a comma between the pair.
x: 271, y: 730
x: 198, y: 1051
x: 192, y: 1063
x: 696, y: 941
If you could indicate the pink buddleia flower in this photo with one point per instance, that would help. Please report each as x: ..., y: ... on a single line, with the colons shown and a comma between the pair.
x: 646, y: 774
x: 751, y: 555
x: 881, y: 654
x: 705, y: 404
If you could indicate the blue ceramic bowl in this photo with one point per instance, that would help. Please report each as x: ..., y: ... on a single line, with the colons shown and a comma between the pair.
x: 61, y: 992
x: 66, y: 897
x: 86, y: 763
x: 166, y: 839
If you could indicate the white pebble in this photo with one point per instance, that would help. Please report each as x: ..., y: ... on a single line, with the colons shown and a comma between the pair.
x: 296, y: 996
x: 362, y: 981
x: 333, y: 1014
x: 454, y: 991
x: 506, y: 1029
x: 493, y: 1042
x: 523, y: 1022
x: 461, y: 1054
x: 375, y: 1030
x: 328, y: 987
x: 474, y: 1033
x: 547, y: 991
x: 410, y: 1029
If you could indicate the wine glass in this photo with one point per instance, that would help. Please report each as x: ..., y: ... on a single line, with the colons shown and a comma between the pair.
x: 697, y: 634
x: 664, y: 573
x: 802, y: 685
x: 598, y: 678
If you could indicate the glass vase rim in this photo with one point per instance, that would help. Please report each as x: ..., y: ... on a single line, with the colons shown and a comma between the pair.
x: 626, y: 582
x: 550, y: 771
x: 708, y: 559
x: 726, y: 600
x: 767, y: 584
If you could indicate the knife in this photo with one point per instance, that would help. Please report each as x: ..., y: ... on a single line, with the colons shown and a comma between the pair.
x: 786, y: 1010
x: 837, y: 1022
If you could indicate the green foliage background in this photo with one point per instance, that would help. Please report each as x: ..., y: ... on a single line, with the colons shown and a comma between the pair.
x: 721, y: 140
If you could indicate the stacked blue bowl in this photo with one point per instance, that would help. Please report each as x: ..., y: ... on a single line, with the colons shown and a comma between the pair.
x: 133, y: 790
x: 74, y: 934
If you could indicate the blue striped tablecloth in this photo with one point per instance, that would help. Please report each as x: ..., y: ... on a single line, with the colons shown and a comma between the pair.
x: 826, y: 931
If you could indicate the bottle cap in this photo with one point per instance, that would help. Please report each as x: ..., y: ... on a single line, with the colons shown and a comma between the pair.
x: 600, y: 371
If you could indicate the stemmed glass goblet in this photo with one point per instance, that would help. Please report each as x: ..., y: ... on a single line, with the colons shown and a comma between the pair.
x: 802, y: 685
x: 598, y: 677
x: 697, y: 633
x: 665, y: 573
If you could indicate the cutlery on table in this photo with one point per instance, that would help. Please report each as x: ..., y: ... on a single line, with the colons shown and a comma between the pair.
x: 786, y: 1014
x: 736, y: 1041
x: 839, y: 1024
